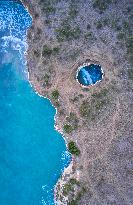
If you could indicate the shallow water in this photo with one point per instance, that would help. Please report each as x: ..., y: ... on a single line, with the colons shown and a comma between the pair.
x: 32, y: 154
x: 89, y: 74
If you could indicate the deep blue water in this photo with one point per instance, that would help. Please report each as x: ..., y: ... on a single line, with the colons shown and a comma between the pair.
x: 90, y: 74
x: 32, y: 154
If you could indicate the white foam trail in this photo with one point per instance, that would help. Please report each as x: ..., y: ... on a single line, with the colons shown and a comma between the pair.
x: 87, y: 77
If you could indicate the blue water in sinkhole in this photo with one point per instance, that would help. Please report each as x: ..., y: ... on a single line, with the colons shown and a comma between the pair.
x: 32, y: 153
x: 89, y: 74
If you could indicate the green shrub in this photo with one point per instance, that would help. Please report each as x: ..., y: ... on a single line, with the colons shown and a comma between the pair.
x: 78, y: 197
x: 55, y: 50
x: 121, y: 35
x: 55, y: 95
x: 99, y: 25
x: 126, y: 25
x: 100, y: 4
x: 46, y: 79
x: 73, y: 12
x: 68, y: 128
x: 73, y: 149
x: 46, y: 51
x: 69, y: 187
x: 49, y: 9
x: 130, y: 74
x: 67, y: 33
x: 85, y: 109
x: 101, y: 94
x: 72, y: 119
x: 129, y: 45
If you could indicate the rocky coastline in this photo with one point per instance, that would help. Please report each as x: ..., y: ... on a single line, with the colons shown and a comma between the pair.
x: 97, y: 119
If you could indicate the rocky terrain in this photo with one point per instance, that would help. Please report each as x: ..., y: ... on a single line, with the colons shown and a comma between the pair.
x: 96, y: 121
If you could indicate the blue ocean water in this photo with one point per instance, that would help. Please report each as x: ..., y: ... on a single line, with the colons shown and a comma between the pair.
x: 90, y: 74
x: 32, y: 153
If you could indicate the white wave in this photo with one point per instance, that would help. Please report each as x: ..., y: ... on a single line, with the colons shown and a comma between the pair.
x: 49, y: 191
x: 65, y: 157
x: 87, y: 77
x: 16, y: 42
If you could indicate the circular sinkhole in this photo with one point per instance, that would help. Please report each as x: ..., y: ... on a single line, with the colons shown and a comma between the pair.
x: 89, y: 74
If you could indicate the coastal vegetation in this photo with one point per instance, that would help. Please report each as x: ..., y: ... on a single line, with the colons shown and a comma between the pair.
x: 102, y: 5
x: 72, y: 12
x: 73, y: 149
x: 73, y: 120
x: 78, y: 197
x: 67, y: 128
x: 46, y: 80
x: 47, y: 51
x: 55, y: 94
x: 66, y: 32
x: 130, y: 74
x: 48, y: 9
x: 69, y: 189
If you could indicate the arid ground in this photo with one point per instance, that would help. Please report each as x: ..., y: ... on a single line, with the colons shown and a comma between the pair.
x: 96, y: 121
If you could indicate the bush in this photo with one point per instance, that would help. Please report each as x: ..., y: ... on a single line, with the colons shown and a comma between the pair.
x: 55, y: 95
x: 73, y: 12
x: 68, y: 128
x: 101, y: 94
x: 72, y: 119
x: 121, y: 35
x: 55, y: 50
x: 99, y: 25
x: 46, y: 79
x: 130, y: 74
x: 67, y: 33
x: 85, y: 109
x: 78, y: 197
x: 100, y: 4
x: 69, y: 187
x: 49, y: 9
x: 46, y: 51
x: 129, y: 45
x: 73, y: 149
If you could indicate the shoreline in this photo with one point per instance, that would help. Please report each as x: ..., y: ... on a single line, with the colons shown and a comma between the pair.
x: 94, y: 114
x: 67, y: 170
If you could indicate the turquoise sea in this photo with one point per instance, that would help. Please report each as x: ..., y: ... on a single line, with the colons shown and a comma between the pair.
x: 32, y: 153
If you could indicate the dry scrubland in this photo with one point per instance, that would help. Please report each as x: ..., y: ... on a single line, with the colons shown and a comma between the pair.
x: 97, y: 121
